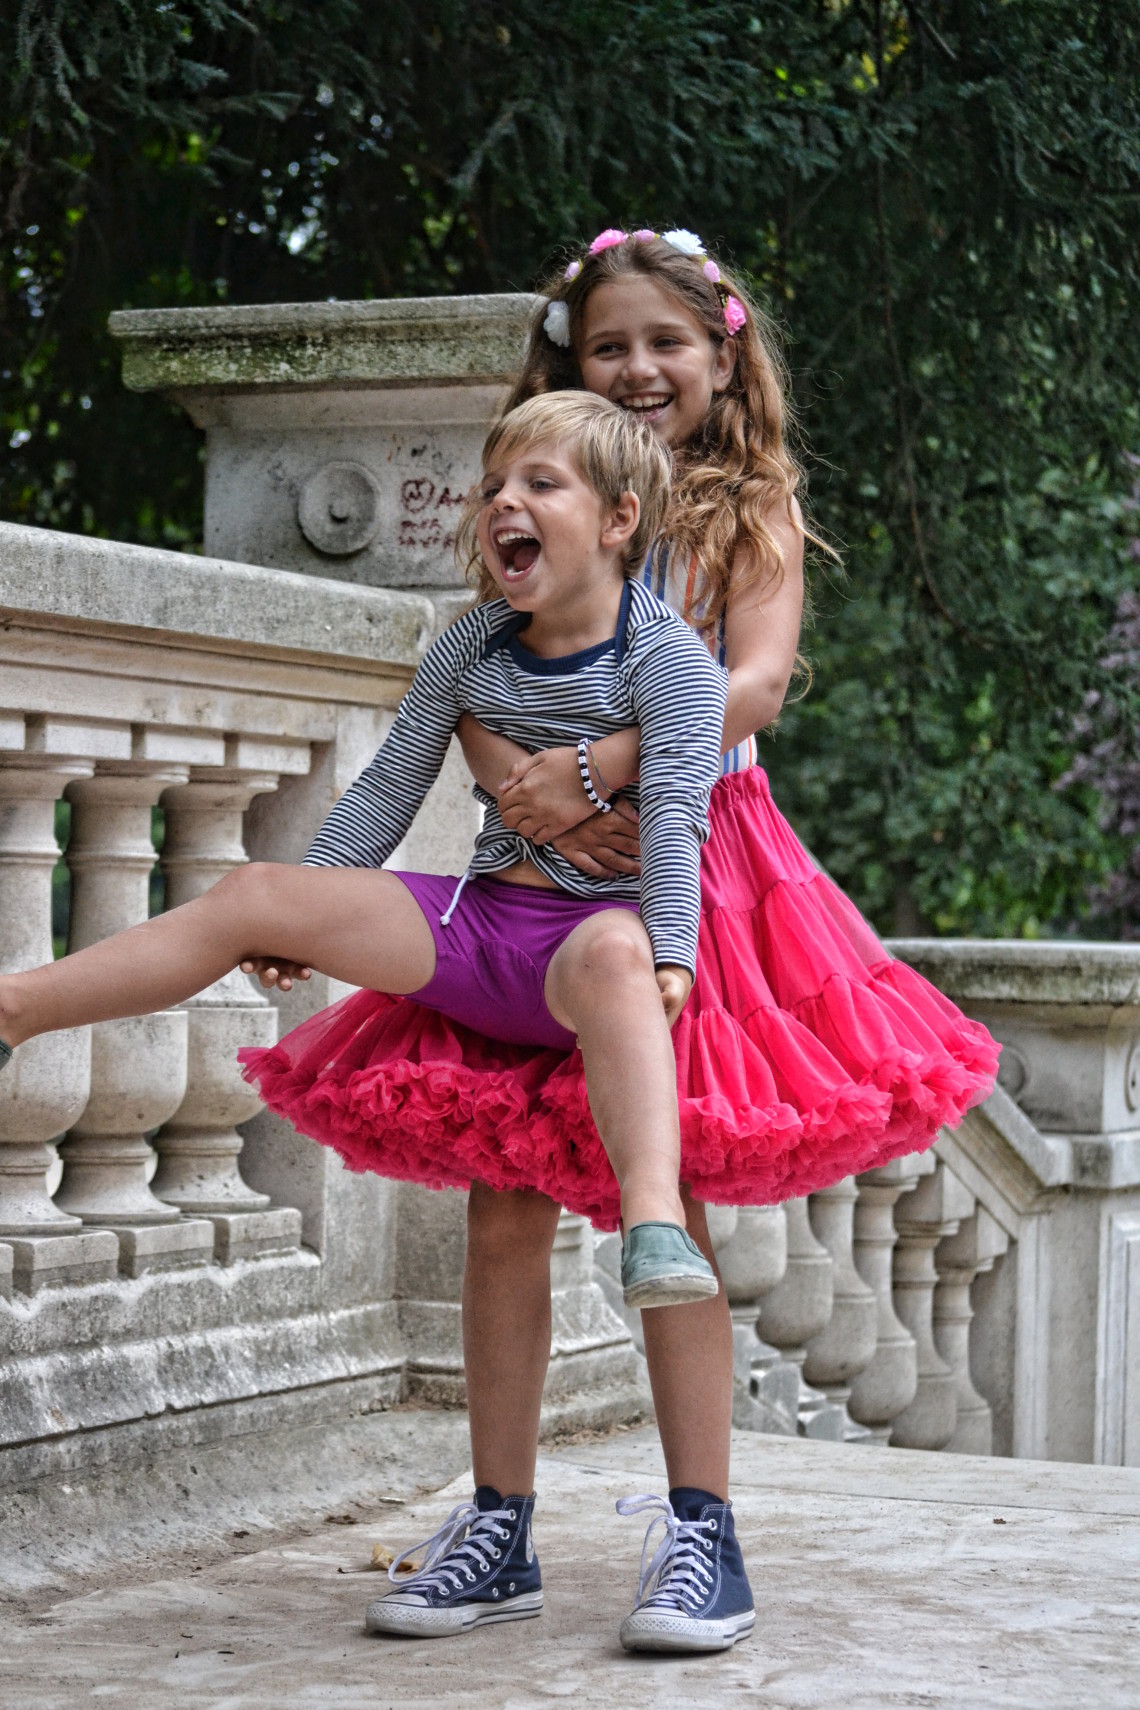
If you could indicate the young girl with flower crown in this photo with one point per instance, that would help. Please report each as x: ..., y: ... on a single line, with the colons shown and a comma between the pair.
x: 804, y: 1053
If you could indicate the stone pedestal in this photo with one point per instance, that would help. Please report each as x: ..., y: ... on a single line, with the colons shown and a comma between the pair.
x: 341, y: 437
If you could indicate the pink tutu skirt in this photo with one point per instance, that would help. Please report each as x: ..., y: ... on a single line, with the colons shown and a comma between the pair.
x: 804, y: 1054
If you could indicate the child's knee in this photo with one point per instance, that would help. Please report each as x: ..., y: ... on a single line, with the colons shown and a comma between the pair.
x: 509, y: 1227
x: 249, y: 889
x: 616, y: 955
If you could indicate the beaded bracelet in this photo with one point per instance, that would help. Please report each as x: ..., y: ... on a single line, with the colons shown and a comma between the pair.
x: 588, y: 782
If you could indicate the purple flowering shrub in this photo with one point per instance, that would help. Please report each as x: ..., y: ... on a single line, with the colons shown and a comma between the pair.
x: 1108, y: 734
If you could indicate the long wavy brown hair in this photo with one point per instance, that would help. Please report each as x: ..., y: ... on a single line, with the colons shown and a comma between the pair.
x: 729, y: 479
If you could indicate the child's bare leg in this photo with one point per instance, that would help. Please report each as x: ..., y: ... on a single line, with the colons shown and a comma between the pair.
x: 506, y: 1331
x: 689, y: 1352
x: 356, y: 924
x: 601, y: 984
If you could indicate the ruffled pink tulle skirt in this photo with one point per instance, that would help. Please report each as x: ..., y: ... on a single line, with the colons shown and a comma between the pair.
x: 805, y: 1053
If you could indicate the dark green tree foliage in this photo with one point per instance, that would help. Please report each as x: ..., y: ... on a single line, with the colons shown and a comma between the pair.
x: 941, y: 201
x: 1108, y: 733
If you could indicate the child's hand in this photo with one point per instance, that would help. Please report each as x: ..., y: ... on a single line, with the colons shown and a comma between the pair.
x: 275, y: 971
x: 605, y: 843
x: 674, y: 984
x: 542, y: 796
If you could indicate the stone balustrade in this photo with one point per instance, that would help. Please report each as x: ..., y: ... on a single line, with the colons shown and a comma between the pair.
x: 167, y: 1268
x: 977, y: 1298
x: 982, y: 1297
x: 173, y: 1267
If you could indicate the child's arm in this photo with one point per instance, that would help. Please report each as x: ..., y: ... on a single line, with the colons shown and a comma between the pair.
x: 762, y: 634
x: 678, y: 695
x: 546, y: 802
x: 375, y: 813
x: 489, y: 756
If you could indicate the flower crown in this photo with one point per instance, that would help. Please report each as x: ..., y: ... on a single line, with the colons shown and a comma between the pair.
x: 557, y: 322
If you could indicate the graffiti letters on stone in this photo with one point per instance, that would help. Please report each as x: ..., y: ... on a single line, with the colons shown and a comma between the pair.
x: 425, y: 515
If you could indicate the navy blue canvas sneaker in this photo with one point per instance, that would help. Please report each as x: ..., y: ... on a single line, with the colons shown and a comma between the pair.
x: 479, y: 1567
x: 694, y: 1594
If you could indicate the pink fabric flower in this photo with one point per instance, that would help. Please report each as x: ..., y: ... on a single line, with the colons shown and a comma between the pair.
x: 609, y: 239
x: 734, y: 315
x: 644, y: 235
x: 573, y: 270
x: 711, y: 271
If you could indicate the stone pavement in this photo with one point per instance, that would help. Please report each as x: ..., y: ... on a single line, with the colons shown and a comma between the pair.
x: 883, y: 1578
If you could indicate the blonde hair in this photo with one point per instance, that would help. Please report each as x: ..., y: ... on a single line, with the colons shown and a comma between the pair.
x: 613, y: 453
x: 737, y: 467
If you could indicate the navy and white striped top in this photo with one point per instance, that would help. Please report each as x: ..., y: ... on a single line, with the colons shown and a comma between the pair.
x: 655, y: 673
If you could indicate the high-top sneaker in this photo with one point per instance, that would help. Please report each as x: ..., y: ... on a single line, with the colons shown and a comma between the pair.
x: 694, y: 1594
x: 479, y: 1567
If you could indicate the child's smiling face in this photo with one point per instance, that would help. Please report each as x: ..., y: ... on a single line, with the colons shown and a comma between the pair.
x: 546, y: 537
x: 644, y: 351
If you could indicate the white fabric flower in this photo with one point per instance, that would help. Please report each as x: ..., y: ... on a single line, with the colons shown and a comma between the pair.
x: 687, y: 242
x: 556, y: 326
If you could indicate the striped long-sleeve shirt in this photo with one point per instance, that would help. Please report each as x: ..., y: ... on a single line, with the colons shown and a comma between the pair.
x: 655, y: 674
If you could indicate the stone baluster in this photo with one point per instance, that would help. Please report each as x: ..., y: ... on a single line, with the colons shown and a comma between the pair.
x: 595, y: 1374
x: 138, y: 1064
x: 890, y: 1381
x: 797, y: 1309
x: 958, y: 1259
x: 923, y: 1219
x: 752, y: 1262
x: 846, y: 1345
x: 199, y: 1147
x: 45, y: 1086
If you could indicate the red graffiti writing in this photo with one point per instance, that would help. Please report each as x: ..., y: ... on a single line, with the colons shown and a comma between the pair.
x: 422, y: 528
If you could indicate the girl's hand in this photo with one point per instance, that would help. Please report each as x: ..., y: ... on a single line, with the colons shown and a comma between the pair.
x: 603, y: 844
x: 674, y: 984
x: 542, y: 796
x: 275, y: 971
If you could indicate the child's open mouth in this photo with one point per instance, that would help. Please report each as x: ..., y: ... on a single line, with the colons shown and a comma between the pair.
x: 518, y: 553
x: 647, y: 406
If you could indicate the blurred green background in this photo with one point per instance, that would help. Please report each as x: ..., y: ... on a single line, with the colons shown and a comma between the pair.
x: 939, y: 204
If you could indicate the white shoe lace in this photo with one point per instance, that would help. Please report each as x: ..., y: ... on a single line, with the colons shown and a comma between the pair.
x: 678, y: 1574
x: 447, y: 1563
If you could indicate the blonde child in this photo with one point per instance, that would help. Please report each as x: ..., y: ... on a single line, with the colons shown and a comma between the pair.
x: 565, y: 644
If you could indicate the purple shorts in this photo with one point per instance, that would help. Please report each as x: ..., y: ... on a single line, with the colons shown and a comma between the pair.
x: 492, y: 956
